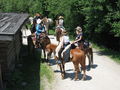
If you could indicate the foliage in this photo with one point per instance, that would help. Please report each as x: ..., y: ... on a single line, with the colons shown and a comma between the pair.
x: 105, y: 51
x: 100, y: 19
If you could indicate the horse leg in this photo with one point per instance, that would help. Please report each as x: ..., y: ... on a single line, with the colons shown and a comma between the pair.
x: 84, y: 69
x: 48, y: 54
x: 90, y: 56
x: 91, y: 52
x: 61, y: 71
x: 89, y: 59
x: 84, y: 74
x: 76, y: 66
x: 45, y: 55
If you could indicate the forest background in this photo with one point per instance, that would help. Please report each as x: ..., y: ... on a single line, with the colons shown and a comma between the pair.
x: 100, y: 19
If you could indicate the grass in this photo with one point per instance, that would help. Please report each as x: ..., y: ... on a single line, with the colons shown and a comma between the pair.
x: 46, y: 74
x: 110, y: 53
x: 52, y: 32
x: 30, y: 75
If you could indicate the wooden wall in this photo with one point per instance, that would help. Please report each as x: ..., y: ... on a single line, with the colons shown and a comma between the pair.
x: 10, y: 51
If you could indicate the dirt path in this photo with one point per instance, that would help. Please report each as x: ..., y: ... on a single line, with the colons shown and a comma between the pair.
x: 104, y: 76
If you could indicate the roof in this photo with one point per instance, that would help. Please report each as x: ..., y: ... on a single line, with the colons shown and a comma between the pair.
x: 10, y: 23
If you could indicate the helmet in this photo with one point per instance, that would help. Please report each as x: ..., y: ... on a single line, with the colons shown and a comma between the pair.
x: 39, y: 21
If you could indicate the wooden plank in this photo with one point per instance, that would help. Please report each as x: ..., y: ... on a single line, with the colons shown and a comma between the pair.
x: 10, y: 24
x: 1, y: 81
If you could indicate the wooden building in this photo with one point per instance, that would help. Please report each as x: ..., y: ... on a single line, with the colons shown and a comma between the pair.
x: 10, y: 39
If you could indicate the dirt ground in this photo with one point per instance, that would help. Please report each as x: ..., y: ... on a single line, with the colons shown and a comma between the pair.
x: 103, y: 76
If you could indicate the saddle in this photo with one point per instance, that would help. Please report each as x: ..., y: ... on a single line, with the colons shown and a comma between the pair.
x: 86, y: 44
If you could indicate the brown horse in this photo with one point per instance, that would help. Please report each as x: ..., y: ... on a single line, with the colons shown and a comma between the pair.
x: 58, y: 34
x: 62, y: 58
x: 78, y: 57
x: 50, y: 48
x: 61, y: 64
x: 43, y: 41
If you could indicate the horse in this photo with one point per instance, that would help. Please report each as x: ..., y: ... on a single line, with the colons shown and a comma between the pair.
x: 61, y: 64
x: 60, y: 60
x: 88, y: 52
x: 77, y: 56
x: 58, y: 33
x: 42, y: 42
x: 47, y: 22
x: 50, y: 48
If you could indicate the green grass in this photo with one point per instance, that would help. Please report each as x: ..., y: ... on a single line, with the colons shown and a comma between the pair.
x: 46, y: 71
x: 46, y: 74
x: 32, y: 72
x: 110, y: 53
x: 52, y: 32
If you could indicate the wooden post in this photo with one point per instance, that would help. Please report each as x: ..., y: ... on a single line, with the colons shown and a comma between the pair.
x: 1, y: 82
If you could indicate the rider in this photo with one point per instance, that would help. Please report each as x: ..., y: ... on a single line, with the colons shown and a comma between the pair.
x: 39, y: 29
x: 64, y: 42
x: 37, y: 16
x: 79, y: 41
x: 60, y: 23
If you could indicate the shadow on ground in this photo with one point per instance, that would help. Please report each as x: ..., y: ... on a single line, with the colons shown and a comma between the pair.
x: 71, y: 75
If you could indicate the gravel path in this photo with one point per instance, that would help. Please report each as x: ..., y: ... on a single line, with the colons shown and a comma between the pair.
x: 103, y: 76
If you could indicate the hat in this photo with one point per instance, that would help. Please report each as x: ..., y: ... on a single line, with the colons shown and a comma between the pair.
x: 39, y: 21
x: 78, y: 28
x: 61, y: 17
x: 37, y: 14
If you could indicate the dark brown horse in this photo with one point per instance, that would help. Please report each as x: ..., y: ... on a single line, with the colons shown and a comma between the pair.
x: 42, y: 42
x: 88, y: 52
x: 58, y: 33
x: 61, y: 64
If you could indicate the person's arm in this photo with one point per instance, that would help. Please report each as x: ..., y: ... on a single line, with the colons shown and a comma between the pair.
x: 61, y: 41
x: 78, y: 39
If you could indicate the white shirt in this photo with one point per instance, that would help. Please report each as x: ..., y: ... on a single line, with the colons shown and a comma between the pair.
x: 66, y: 39
x: 61, y: 22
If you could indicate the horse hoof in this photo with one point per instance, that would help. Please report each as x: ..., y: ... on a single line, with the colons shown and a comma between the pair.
x: 76, y: 79
x: 63, y: 76
x: 48, y: 64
